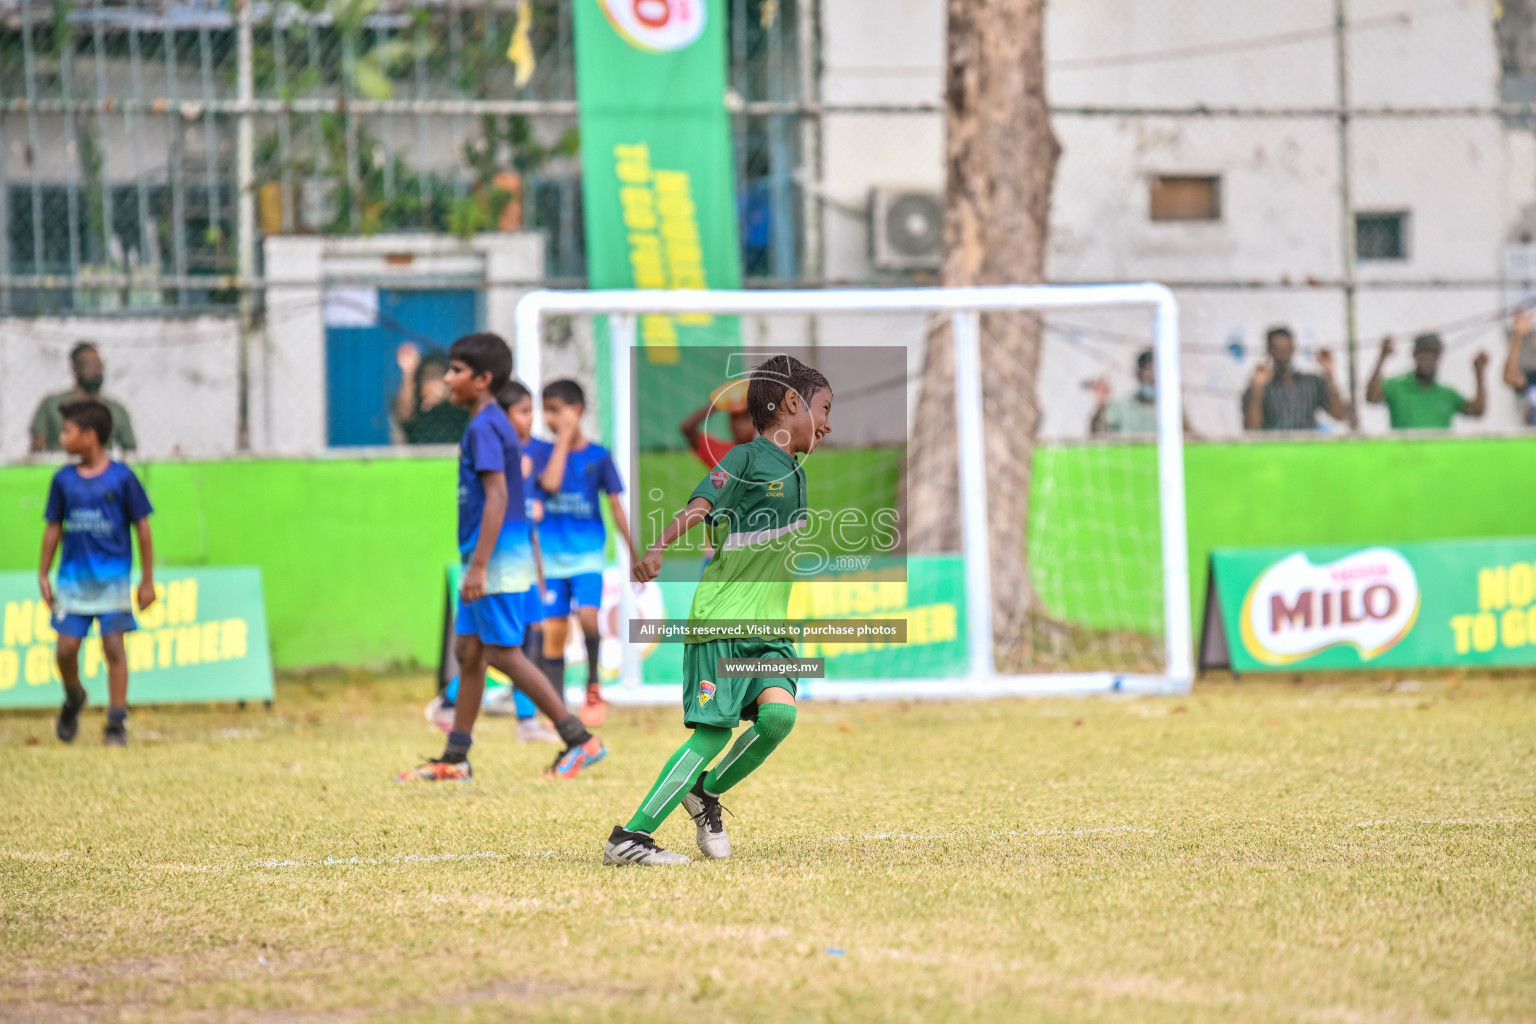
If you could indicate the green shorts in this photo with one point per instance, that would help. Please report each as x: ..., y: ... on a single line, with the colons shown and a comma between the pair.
x: 725, y: 702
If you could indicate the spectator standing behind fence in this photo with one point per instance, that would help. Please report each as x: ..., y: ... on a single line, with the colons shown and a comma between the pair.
x: 1416, y: 401
x: 48, y: 421
x: 1282, y: 397
x: 421, y: 406
x: 1136, y: 413
x: 1520, y: 365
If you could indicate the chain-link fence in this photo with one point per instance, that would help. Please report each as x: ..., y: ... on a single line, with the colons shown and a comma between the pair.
x: 121, y: 153
x: 1349, y: 169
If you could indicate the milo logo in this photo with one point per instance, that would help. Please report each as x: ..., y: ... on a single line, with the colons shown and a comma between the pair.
x: 657, y: 25
x: 1368, y: 600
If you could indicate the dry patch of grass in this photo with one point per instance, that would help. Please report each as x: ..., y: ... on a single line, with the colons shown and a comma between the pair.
x: 1259, y: 851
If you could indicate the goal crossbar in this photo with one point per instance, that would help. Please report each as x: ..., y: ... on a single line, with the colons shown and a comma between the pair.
x: 965, y: 305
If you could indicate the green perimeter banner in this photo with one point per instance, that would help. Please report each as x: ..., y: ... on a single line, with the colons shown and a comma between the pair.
x: 204, y: 639
x: 932, y: 601
x: 1465, y: 603
x: 658, y: 192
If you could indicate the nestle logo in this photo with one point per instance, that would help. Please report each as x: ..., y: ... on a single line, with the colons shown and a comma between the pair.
x: 1360, y: 572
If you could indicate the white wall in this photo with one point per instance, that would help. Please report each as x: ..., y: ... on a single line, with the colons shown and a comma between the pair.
x: 288, y: 366
x: 176, y: 378
x: 1468, y: 185
x: 876, y: 51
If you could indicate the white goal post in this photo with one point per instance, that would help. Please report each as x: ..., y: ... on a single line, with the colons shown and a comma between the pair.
x: 964, y: 306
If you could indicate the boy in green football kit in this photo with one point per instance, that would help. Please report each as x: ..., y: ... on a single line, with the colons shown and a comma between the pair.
x: 753, y: 502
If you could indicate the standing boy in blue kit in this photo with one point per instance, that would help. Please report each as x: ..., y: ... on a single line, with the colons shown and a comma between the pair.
x: 517, y: 402
x: 496, y: 548
x: 91, y: 505
x: 571, y: 473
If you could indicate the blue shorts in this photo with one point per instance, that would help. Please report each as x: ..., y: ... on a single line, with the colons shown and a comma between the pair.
x: 533, y: 606
x: 583, y: 591
x: 78, y: 626
x: 497, y: 619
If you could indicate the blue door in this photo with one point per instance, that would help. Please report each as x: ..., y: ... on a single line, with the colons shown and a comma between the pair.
x: 361, y: 376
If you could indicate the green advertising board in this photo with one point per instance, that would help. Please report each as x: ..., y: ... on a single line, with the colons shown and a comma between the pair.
x: 931, y: 600
x: 204, y: 639
x: 658, y: 189
x: 1438, y: 603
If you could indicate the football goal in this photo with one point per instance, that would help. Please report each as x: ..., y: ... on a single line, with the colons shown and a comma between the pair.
x: 1095, y: 598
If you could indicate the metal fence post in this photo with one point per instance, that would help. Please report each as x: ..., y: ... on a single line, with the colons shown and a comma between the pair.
x: 1346, y: 205
x: 245, y: 227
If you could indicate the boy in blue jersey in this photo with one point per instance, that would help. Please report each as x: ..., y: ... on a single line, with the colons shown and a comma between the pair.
x: 571, y: 473
x: 91, y: 505
x: 517, y: 402
x: 496, y: 548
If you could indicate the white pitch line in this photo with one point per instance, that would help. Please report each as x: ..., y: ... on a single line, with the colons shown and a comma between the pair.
x: 1442, y: 821
x: 411, y: 858
x: 1082, y: 831
x: 288, y: 862
x: 993, y: 834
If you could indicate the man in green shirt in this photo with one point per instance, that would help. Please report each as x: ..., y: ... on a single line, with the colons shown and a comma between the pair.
x: 48, y: 421
x: 1416, y: 401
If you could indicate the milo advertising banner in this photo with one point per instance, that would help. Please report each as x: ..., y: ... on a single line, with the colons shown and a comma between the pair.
x: 1440, y: 603
x: 659, y: 199
x: 204, y: 639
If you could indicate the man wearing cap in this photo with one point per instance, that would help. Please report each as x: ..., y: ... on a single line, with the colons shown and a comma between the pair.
x: 1416, y: 401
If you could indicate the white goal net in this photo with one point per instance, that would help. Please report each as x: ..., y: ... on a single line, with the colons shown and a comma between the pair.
x: 1095, y: 597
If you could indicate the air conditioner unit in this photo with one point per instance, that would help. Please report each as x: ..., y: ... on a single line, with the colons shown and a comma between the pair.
x: 906, y: 228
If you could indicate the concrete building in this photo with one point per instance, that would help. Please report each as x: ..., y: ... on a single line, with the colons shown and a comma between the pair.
x: 1200, y: 148
x: 1457, y: 189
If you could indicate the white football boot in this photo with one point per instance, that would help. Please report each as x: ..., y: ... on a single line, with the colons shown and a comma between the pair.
x: 705, y: 810
x: 626, y: 847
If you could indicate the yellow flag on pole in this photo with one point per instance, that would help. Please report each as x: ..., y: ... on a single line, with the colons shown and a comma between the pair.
x: 520, y: 50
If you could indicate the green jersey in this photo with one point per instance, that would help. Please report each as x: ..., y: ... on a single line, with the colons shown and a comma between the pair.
x: 1412, y: 405
x: 758, y: 501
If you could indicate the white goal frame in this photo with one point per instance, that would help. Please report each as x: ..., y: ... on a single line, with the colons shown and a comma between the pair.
x: 965, y: 306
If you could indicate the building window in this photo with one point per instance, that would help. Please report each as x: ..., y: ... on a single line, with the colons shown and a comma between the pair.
x: 1381, y: 236
x: 1185, y: 197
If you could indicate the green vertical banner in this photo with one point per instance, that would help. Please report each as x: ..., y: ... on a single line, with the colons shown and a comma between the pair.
x: 659, y: 197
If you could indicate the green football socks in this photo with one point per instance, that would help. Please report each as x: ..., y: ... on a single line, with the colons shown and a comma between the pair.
x: 773, y: 725
x: 677, y: 777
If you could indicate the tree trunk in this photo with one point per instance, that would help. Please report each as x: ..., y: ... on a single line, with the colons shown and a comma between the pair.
x: 1001, y: 158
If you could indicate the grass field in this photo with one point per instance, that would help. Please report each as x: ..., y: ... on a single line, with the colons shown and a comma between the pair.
x: 1254, y: 852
